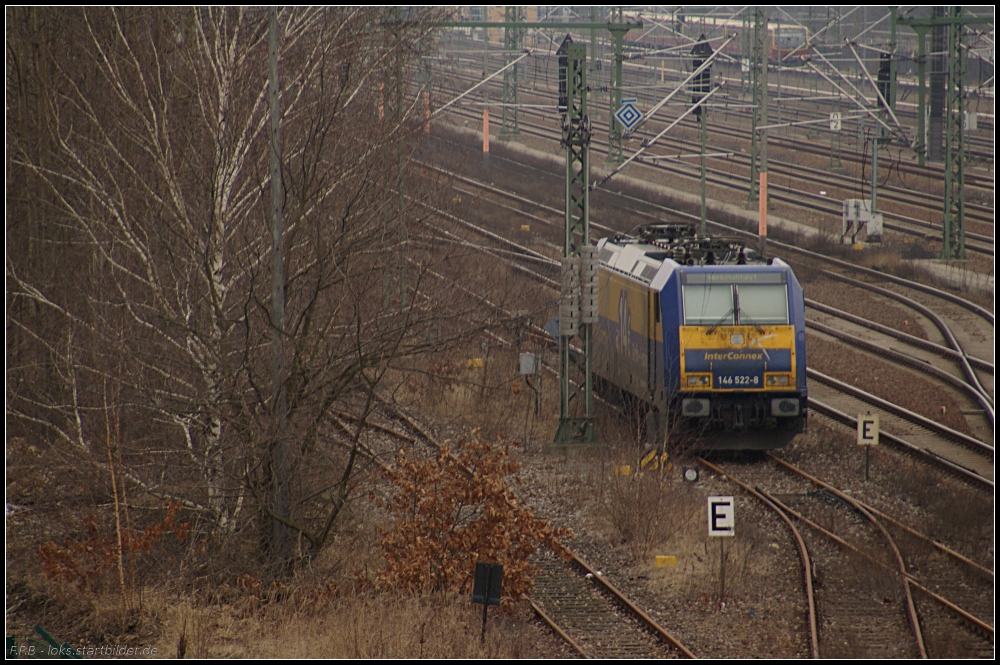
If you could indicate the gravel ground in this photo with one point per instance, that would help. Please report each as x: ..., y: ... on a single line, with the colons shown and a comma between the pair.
x: 762, y: 613
x: 874, y: 308
x: 899, y: 385
x: 764, y: 610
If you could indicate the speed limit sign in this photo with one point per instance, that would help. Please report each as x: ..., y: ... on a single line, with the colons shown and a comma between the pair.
x: 835, y: 122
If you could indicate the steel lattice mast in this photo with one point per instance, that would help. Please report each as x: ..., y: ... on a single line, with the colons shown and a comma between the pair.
x: 577, y: 307
x: 953, y: 240
x: 513, y: 40
x: 758, y: 88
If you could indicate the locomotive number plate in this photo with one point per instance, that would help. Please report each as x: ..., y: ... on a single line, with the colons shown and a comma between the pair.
x: 739, y: 380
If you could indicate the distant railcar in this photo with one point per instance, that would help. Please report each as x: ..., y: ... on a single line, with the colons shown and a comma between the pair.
x: 781, y: 40
x: 705, y: 334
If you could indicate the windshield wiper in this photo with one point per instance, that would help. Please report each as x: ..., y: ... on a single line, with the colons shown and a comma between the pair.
x: 750, y: 320
x: 720, y: 321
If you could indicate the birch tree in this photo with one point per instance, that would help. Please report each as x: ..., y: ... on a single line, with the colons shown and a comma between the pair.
x: 158, y: 174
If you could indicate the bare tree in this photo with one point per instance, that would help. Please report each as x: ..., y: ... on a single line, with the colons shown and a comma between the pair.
x: 158, y: 175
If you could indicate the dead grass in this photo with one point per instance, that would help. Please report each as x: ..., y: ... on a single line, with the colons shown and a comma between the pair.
x: 963, y: 519
x: 643, y: 509
x: 359, y: 626
x: 699, y: 575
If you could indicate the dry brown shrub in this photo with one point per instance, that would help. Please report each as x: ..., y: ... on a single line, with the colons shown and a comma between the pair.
x: 455, y: 509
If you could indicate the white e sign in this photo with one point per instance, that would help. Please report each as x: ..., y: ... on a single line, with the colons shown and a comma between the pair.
x: 721, y: 516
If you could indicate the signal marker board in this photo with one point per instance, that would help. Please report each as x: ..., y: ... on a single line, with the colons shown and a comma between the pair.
x: 721, y: 516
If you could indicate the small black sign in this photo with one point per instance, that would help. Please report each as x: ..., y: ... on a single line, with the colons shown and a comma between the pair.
x: 486, y: 588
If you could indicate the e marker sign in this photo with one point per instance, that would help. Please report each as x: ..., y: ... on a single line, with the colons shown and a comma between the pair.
x: 721, y: 516
x: 867, y: 429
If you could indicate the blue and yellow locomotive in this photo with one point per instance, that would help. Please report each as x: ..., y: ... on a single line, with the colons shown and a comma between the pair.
x: 705, y: 333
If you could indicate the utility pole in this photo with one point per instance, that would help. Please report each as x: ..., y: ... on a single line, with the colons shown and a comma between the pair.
x: 758, y: 99
x: 578, y: 303
x: 513, y: 40
x: 618, y: 28
x: 701, y: 85
x: 886, y: 86
x: 920, y: 144
x: 746, y: 51
x: 939, y: 72
x: 758, y: 137
x: 777, y: 66
x: 953, y: 246
x: 953, y: 27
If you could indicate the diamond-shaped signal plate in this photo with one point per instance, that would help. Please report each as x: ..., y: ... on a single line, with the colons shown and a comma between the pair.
x: 628, y: 115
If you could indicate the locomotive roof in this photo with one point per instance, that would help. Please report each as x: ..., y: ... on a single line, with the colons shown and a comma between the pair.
x: 641, y: 252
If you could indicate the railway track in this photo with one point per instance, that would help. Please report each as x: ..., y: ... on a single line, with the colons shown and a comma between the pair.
x: 873, y: 589
x: 649, y: 85
x: 803, y: 197
x: 733, y: 105
x: 834, y: 610
x: 907, y: 220
x: 595, y: 618
x: 912, y: 429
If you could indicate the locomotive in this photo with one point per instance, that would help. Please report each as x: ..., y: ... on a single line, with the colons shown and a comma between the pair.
x: 705, y: 334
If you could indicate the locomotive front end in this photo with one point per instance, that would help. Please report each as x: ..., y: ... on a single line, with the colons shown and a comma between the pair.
x: 742, y: 357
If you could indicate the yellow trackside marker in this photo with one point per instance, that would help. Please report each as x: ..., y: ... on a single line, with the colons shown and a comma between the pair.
x: 525, y: 227
x: 662, y: 561
x: 653, y: 460
x: 624, y: 470
x: 474, y: 362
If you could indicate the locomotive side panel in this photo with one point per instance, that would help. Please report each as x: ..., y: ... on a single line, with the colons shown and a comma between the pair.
x: 626, y: 335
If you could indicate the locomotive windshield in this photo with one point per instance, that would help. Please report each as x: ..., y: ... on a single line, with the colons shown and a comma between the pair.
x: 735, y: 304
x: 708, y: 305
x: 765, y: 304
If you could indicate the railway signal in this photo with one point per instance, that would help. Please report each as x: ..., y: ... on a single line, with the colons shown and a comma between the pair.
x: 628, y: 114
x: 563, y: 53
x: 702, y: 82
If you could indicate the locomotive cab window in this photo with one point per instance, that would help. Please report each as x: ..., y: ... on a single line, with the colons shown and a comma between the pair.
x: 708, y: 305
x: 762, y: 304
x: 715, y: 304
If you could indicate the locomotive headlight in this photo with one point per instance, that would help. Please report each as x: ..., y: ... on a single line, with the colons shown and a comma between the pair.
x: 777, y: 380
x: 692, y: 380
x: 705, y: 380
x: 786, y: 407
